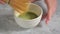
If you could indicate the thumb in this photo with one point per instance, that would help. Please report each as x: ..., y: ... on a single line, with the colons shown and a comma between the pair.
x: 48, y: 17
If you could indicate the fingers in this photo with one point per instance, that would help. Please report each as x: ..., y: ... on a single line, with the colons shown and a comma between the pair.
x: 32, y: 0
x: 2, y: 2
x: 44, y: 16
x: 48, y: 17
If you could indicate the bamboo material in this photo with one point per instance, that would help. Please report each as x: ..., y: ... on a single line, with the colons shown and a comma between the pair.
x: 19, y: 5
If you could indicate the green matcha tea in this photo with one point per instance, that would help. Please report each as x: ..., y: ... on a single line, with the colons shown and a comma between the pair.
x: 28, y: 15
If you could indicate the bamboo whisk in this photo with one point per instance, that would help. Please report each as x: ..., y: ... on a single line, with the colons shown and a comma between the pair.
x: 19, y: 5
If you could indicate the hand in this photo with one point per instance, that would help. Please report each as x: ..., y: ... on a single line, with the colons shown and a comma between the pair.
x: 32, y: 0
x: 52, y: 4
x: 1, y: 1
x: 51, y: 9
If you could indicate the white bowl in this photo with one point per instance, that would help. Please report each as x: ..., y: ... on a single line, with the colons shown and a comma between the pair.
x: 30, y: 23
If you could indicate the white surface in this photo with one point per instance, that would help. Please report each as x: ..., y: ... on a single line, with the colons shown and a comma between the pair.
x: 9, y: 26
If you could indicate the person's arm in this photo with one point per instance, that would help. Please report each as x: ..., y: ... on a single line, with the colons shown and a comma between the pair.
x: 52, y: 4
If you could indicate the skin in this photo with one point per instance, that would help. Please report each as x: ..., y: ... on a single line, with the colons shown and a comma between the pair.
x: 2, y: 2
x: 52, y: 4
